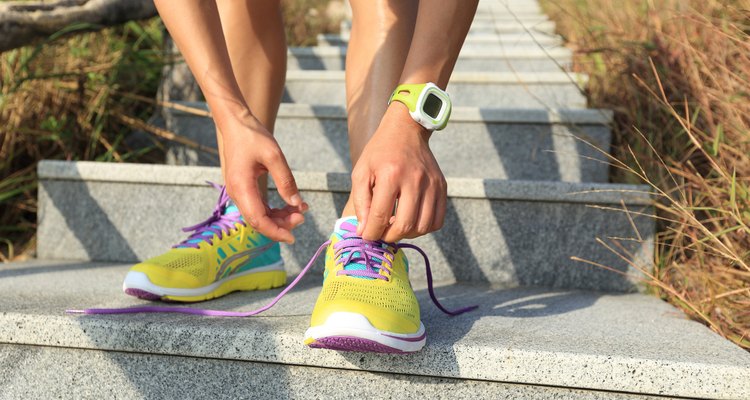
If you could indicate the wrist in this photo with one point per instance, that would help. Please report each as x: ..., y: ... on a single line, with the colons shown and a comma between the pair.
x: 233, y: 119
x: 401, y: 122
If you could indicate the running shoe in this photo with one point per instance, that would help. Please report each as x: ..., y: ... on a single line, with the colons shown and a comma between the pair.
x: 367, y: 302
x: 222, y: 255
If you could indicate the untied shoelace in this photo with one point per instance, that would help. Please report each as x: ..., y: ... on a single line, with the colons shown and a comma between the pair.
x: 351, y: 247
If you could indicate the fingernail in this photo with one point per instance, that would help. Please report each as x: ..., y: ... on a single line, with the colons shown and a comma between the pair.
x: 305, y: 207
x: 296, y: 199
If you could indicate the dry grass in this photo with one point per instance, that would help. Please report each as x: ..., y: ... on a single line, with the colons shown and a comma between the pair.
x: 305, y: 19
x: 62, y: 99
x: 677, y: 74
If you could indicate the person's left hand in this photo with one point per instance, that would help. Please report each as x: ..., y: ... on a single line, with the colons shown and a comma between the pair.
x: 398, y: 165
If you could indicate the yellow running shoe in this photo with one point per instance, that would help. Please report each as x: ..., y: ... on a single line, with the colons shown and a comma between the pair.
x: 367, y: 302
x: 222, y: 255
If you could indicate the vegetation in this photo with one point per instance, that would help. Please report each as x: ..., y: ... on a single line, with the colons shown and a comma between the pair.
x: 70, y: 99
x: 677, y: 75
x: 305, y: 19
x: 79, y: 95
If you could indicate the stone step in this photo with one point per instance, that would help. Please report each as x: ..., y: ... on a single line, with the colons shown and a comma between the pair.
x: 502, y: 7
x: 499, y: 232
x: 519, y: 343
x: 68, y: 373
x: 483, y: 17
x: 503, y: 13
x: 504, y: 24
x: 489, y: 43
x: 509, y: 16
x: 508, y: 22
x: 499, y: 23
x: 511, y: 59
x: 467, y: 89
x: 567, y: 145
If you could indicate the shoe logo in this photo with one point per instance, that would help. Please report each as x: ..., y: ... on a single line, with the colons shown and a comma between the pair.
x: 225, y: 269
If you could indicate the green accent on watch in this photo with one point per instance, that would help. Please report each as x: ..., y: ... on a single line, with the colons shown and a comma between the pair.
x: 428, y: 105
x: 408, y: 94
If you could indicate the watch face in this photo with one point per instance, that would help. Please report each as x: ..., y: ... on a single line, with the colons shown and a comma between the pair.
x: 432, y: 105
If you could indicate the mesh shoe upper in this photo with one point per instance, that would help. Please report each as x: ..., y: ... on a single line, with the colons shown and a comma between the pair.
x: 388, y: 302
x: 218, y: 247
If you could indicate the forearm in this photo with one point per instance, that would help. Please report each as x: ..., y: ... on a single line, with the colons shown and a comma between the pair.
x: 440, y: 31
x: 396, y: 169
x: 196, y: 29
x: 438, y: 37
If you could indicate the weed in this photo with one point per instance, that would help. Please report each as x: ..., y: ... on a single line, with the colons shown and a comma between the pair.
x: 677, y: 73
x: 58, y: 100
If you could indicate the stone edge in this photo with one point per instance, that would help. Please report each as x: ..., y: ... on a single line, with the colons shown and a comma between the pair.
x: 478, y: 38
x: 508, y: 78
x: 286, y: 345
x: 511, y: 52
x: 586, y: 116
x: 490, y: 189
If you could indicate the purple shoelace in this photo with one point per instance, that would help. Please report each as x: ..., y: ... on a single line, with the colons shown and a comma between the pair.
x: 217, y: 224
x: 375, y: 255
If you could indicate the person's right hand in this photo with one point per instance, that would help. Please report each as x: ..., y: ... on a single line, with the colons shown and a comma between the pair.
x: 249, y: 152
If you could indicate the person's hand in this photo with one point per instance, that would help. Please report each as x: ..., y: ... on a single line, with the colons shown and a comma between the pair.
x: 249, y: 152
x: 397, y: 165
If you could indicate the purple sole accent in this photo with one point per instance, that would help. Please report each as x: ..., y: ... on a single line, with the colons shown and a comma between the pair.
x: 414, y: 339
x: 142, y: 294
x: 349, y: 343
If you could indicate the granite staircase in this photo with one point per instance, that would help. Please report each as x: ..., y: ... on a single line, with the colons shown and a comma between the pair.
x: 526, y: 164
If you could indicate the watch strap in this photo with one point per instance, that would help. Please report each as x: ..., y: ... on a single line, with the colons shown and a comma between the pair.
x: 408, y: 94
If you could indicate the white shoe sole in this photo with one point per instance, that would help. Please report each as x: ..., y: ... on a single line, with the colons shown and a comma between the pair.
x: 346, y: 331
x: 136, y: 281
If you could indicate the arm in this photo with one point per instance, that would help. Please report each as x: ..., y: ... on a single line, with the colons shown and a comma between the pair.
x: 397, y: 163
x: 440, y: 32
x: 249, y: 149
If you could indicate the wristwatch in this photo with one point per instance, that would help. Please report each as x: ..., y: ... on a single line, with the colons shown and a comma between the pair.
x: 429, y: 105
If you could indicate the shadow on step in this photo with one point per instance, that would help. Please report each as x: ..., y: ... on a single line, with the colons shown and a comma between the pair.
x: 53, y: 267
x: 188, y: 336
x: 498, y: 319
x: 81, y: 217
x: 520, y: 302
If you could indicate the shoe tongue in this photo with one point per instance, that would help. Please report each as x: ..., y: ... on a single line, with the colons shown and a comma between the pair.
x: 346, y: 225
x: 230, y: 207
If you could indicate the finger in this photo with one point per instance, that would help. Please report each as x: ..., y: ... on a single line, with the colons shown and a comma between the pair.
x: 251, y: 205
x: 287, y: 217
x: 362, y: 199
x: 282, y: 176
x: 290, y: 221
x: 440, y: 210
x: 426, y: 214
x: 407, y: 215
x: 381, y: 210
